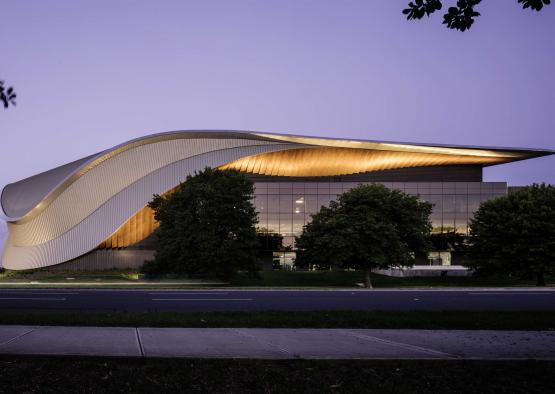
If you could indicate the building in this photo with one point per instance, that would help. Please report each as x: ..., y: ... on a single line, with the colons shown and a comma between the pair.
x: 92, y: 214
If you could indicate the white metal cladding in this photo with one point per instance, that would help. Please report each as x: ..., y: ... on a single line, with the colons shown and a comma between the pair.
x: 96, y: 187
x: 106, y: 217
x: 90, y: 202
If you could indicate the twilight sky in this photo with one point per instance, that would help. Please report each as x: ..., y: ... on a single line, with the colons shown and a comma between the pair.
x: 93, y: 74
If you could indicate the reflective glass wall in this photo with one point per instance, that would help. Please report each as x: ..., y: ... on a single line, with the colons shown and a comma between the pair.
x: 285, y: 207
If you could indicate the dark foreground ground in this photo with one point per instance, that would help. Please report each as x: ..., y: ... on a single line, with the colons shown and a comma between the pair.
x: 460, y: 320
x: 104, y: 375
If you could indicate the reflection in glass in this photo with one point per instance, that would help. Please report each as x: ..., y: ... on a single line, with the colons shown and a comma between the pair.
x: 286, y: 208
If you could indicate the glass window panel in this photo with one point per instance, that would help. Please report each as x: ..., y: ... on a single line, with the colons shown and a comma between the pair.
x: 298, y: 187
x: 310, y: 188
x: 260, y: 203
x: 285, y: 187
x: 336, y: 190
x: 499, y: 187
x: 461, y: 203
x: 262, y: 220
x: 486, y: 197
x: 449, y: 203
x: 323, y: 187
x: 285, y: 224
x: 273, y: 223
x: 298, y: 203
x: 323, y: 199
x: 448, y: 187
x: 448, y: 222
x: 437, y: 202
x: 298, y: 224
x: 311, y: 203
x: 437, y: 223
x: 349, y: 185
x: 288, y: 242
x: 397, y: 186
x: 285, y: 203
x: 273, y: 203
x: 436, y: 187
x: 261, y: 188
x: 423, y: 188
x: 474, y: 187
x: 473, y: 202
x: 487, y: 188
x: 461, y: 187
x: 461, y: 225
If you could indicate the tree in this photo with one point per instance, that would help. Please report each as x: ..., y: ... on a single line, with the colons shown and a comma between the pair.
x: 515, y: 234
x: 269, y: 242
x: 461, y: 16
x: 368, y: 227
x: 207, y: 227
x: 7, y: 95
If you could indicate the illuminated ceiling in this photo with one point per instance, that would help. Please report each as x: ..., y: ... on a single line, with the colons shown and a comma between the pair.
x: 331, y: 161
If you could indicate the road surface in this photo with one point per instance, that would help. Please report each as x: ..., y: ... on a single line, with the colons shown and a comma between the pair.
x: 86, y: 300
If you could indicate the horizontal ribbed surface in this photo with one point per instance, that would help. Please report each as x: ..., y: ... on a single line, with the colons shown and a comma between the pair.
x: 109, y: 216
x: 79, y: 209
x: 329, y: 161
x: 97, y: 186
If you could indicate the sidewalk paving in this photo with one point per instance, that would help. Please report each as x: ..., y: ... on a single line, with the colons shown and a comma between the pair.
x: 277, y: 343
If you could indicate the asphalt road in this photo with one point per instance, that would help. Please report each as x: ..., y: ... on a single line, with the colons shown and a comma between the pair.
x: 81, y: 300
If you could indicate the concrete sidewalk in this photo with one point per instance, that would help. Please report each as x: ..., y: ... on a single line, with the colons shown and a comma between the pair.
x: 277, y: 343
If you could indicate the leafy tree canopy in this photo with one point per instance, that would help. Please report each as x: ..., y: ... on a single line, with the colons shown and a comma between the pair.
x: 368, y: 227
x: 452, y: 241
x: 515, y: 234
x: 269, y: 241
x: 207, y: 227
x: 462, y: 14
x: 7, y: 95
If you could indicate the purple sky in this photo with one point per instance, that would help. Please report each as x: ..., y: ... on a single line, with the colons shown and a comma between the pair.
x: 91, y: 75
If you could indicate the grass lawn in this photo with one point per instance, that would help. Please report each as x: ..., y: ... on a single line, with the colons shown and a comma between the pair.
x: 62, y: 276
x: 482, y: 320
x: 350, y: 278
x: 92, y: 279
x: 103, y: 375
x: 267, y: 279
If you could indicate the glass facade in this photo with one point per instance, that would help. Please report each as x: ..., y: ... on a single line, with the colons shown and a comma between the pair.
x: 285, y: 207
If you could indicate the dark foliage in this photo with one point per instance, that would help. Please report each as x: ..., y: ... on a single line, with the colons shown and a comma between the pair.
x: 534, y: 4
x: 419, y: 8
x: 207, y: 227
x: 42, y: 374
x: 7, y: 95
x: 269, y: 241
x: 452, y: 241
x: 515, y: 234
x: 368, y: 227
x: 461, y: 16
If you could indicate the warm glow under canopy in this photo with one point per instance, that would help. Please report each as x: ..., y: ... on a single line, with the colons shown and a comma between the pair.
x: 331, y: 161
